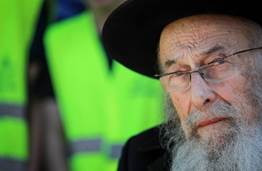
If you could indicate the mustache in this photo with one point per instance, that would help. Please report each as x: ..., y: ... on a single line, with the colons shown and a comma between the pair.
x: 217, y: 109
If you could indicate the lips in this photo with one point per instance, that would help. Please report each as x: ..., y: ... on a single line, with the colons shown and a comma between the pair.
x: 208, y: 122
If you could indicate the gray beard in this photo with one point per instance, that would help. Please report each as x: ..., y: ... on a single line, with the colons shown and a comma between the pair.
x: 241, y: 150
x: 242, y: 153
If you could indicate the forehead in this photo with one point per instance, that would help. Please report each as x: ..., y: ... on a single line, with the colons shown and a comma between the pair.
x: 194, y: 35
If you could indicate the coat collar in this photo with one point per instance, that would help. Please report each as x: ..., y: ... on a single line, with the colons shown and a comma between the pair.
x: 152, y: 147
x: 161, y: 164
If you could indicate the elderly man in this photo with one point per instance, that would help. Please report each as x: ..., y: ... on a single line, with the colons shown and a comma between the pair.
x: 209, y: 58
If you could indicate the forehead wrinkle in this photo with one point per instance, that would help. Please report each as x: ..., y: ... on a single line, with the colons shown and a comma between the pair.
x: 188, y: 47
x: 193, y: 41
x: 189, y: 37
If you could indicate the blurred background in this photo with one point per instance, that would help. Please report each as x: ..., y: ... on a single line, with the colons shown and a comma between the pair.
x: 65, y: 105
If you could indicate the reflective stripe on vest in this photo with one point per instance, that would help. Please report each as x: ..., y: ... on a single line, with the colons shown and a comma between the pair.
x: 12, y: 110
x: 85, y: 146
x: 8, y: 164
x: 115, y: 151
x: 94, y: 146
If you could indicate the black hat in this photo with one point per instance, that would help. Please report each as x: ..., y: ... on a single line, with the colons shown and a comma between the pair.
x: 131, y: 33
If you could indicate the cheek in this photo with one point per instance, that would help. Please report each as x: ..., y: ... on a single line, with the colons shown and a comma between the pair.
x: 232, y: 90
x: 182, y: 105
x: 237, y: 93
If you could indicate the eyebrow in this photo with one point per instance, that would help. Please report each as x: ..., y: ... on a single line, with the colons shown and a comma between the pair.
x: 214, y: 49
x: 169, y: 62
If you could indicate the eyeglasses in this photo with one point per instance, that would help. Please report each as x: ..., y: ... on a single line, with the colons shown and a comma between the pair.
x: 215, y: 71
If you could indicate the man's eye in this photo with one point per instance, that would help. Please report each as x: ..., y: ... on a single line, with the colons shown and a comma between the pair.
x: 217, y: 61
x: 179, y: 73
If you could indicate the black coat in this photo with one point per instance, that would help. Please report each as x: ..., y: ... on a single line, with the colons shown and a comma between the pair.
x: 144, y: 153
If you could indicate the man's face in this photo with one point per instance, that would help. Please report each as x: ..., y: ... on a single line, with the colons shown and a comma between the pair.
x: 186, y: 45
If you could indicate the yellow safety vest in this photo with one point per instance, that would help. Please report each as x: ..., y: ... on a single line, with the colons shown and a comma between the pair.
x: 18, y: 19
x: 93, y: 101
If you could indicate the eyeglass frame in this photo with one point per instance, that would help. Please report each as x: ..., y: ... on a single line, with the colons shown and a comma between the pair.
x: 203, y: 67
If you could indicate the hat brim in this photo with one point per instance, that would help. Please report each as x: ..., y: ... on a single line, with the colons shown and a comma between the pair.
x: 131, y: 33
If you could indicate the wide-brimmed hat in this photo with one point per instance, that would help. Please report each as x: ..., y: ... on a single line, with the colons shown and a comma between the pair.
x: 131, y: 33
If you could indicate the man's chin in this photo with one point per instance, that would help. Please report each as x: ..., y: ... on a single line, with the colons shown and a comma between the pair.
x: 215, y: 135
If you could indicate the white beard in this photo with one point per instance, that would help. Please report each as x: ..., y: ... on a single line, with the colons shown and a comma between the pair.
x: 241, y: 150
x: 244, y: 153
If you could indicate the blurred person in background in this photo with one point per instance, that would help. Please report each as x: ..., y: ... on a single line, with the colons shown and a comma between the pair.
x: 18, y: 22
x: 101, y: 103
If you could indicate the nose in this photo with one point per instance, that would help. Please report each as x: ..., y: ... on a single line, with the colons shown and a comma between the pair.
x: 201, y: 92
